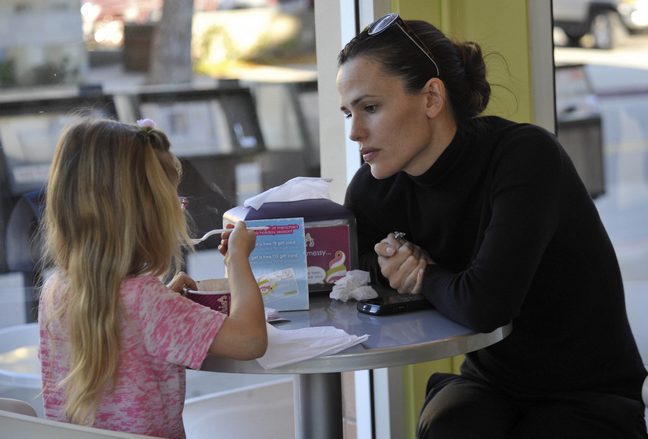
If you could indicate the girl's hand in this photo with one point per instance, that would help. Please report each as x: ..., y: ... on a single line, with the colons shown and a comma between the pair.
x: 238, y: 243
x: 222, y: 247
x: 181, y: 281
x: 402, y: 263
x: 243, y: 334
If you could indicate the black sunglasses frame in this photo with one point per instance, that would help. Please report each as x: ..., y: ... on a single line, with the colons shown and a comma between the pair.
x: 387, y: 21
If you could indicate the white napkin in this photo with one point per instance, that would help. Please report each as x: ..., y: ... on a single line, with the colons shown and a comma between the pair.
x: 353, y: 285
x: 286, y: 346
x: 295, y: 189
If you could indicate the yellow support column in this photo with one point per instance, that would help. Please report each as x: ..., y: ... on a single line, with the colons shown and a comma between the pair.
x: 501, y: 28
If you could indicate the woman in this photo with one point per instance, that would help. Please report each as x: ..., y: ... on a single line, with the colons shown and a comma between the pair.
x: 499, y: 228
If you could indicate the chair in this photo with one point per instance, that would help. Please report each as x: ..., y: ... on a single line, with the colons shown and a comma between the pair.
x: 18, y: 419
x: 243, y: 412
x: 17, y: 406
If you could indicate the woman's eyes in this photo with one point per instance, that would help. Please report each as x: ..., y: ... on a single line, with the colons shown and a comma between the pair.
x: 367, y: 109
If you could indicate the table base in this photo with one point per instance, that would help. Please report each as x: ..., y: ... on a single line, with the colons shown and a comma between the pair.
x: 318, y: 406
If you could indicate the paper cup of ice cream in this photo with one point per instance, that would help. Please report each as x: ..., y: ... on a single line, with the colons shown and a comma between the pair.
x: 212, y: 293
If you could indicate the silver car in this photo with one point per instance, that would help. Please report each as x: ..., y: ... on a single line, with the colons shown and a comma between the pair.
x: 606, y: 22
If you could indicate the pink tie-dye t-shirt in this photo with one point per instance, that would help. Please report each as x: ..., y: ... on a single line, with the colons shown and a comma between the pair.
x: 161, y: 334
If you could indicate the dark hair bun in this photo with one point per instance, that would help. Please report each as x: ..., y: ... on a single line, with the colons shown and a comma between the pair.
x: 477, y: 88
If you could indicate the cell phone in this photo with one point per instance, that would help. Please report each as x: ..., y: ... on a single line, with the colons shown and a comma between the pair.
x: 392, y: 304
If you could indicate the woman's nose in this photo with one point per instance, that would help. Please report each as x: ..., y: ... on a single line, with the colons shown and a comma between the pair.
x: 356, y: 133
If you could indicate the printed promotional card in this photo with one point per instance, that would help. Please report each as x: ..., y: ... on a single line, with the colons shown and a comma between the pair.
x: 328, y: 253
x: 279, y: 263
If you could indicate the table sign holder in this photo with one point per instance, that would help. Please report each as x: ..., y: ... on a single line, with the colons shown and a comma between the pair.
x: 279, y: 263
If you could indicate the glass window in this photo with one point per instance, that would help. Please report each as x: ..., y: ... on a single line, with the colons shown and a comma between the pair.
x: 238, y: 100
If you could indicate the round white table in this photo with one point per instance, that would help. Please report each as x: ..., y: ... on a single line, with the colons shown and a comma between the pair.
x: 394, y: 340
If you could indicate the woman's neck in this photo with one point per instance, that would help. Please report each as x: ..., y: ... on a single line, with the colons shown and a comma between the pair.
x: 442, y: 131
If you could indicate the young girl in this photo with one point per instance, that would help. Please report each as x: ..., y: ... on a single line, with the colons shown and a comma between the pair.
x: 115, y: 340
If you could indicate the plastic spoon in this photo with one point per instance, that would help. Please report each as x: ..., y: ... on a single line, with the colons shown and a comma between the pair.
x: 218, y: 232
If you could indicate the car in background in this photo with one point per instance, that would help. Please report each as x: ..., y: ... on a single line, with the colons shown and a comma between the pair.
x: 104, y: 20
x: 245, y: 4
x: 296, y: 5
x: 606, y: 22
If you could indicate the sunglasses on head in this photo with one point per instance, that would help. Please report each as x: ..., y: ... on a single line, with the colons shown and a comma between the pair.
x: 391, y: 19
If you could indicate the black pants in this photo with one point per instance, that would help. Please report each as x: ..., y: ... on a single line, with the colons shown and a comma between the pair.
x: 457, y: 407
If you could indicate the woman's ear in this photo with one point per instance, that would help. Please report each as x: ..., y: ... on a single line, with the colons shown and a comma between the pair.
x: 435, y: 93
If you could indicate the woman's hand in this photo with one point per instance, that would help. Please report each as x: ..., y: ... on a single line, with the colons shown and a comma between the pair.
x: 402, y: 263
x: 181, y: 281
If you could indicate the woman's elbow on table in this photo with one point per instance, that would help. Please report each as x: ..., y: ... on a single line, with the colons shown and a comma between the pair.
x: 487, y: 317
x: 486, y: 325
x: 479, y: 315
x: 479, y: 307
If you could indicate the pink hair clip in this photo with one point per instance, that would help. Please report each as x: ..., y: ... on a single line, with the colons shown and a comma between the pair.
x: 146, y: 123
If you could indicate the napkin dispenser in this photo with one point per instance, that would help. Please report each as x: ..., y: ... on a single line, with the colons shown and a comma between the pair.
x: 330, y: 228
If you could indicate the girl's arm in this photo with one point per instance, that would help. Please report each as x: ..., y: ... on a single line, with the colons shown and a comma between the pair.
x: 243, y: 334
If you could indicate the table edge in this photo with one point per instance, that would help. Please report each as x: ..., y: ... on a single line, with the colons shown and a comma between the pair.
x: 350, y: 360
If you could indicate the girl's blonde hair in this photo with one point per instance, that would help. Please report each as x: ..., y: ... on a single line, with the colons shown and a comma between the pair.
x: 112, y: 211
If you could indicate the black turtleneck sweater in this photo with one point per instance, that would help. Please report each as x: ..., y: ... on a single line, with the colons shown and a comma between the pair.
x: 516, y: 238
